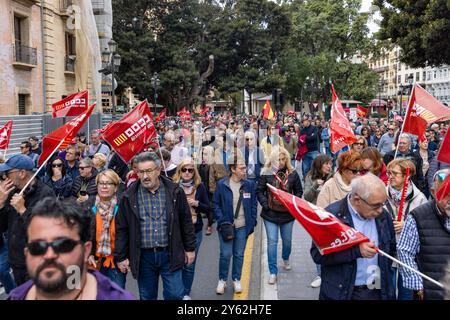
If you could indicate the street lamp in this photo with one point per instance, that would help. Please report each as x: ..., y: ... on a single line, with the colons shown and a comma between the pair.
x: 111, y: 63
x: 155, y: 82
x: 410, y: 81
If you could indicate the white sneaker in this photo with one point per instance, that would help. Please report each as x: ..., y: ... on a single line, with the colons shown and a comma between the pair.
x: 237, y: 286
x: 286, y: 265
x: 187, y: 298
x: 272, y: 279
x: 316, y: 282
x: 221, y: 287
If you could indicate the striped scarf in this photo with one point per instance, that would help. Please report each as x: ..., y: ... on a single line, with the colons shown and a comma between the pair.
x: 106, y: 211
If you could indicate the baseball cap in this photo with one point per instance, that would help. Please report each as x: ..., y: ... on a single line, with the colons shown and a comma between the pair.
x: 18, y: 161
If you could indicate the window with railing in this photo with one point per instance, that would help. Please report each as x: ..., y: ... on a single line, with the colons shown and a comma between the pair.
x: 24, y: 54
x: 69, y: 64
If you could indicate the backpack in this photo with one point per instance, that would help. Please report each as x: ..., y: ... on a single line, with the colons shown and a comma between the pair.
x: 281, y: 181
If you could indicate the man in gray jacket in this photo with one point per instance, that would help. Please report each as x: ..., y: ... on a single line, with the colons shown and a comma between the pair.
x: 386, y: 141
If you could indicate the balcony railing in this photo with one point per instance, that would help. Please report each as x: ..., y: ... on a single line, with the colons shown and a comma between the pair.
x: 24, y: 54
x: 69, y: 64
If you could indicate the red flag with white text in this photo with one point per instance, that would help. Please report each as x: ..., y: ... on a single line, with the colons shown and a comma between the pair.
x: 67, y: 132
x: 73, y: 105
x: 131, y: 134
x: 5, y: 135
x: 341, y: 133
x: 328, y: 233
x: 423, y: 109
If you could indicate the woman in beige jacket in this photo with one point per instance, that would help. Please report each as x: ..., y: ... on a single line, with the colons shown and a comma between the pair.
x: 349, y: 166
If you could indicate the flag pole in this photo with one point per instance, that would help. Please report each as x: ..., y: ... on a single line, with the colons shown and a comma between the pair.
x: 42, y: 165
x: 408, y: 267
x: 403, y: 124
x: 162, y: 160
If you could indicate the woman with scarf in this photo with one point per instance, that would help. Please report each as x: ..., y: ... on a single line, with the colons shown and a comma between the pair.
x: 103, y: 228
x: 396, y: 171
x: 279, y: 173
x: 189, y: 179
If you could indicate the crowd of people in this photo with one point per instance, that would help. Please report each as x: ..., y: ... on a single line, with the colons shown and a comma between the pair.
x: 149, y: 216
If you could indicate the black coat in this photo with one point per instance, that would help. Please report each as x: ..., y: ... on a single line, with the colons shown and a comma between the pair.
x: 294, y: 186
x: 338, y: 269
x: 118, y: 166
x: 128, y: 231
x: 62, y: 187
x: 16, y: 224
x: 418, y: 178
x: 312, y: 137
x: 91, y: 187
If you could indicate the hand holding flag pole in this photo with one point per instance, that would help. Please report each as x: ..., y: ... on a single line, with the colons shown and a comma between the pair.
x: 328, y: 233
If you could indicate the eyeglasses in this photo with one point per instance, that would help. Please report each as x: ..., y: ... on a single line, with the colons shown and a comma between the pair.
x: 354, y: 171
x: 391, y: 129
x: 373, y: 206
x: 190, y: 170
x: 65, y: 245
x: 82, y: 168
x: 393, y: 173
x: 148, y: 171
x: 106, y: 184
x: 57, y: 165
x: 358, y: 144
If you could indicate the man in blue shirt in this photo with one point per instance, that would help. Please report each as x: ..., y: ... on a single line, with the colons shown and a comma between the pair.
x: 359, y: 273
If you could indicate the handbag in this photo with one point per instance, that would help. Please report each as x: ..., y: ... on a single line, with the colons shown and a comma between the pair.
x: 281, y: 181
x: 226, y: 229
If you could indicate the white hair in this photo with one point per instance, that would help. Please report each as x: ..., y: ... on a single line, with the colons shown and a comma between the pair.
x: 405, y: 136
x: 365, y: 185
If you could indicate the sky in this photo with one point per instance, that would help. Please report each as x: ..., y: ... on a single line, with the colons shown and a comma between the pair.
x: 366, y: 5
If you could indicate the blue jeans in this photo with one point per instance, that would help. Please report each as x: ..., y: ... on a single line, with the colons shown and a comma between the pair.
x: 152, y: 265
x: 5, y: 271
x: 233, y: 248
x: 307, y: 162
x: 115, y: 275
x: 189, y: 271
x: 272, y: 242
x: 403, y: 293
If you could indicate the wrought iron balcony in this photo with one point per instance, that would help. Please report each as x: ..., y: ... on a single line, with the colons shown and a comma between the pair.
x: 69, y: 63
x: 24, y: 54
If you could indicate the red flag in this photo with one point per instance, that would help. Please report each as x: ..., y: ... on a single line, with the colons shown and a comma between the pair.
x: 5, y: 135
x: 106, y: 127
x: 131, y: 134
x: 423, y: 109
x: 341, y: 133
x: 362, y: 111
x: 328, y: 233
x: 161, y: 116
x: 444, y: 189
x: 444, y: 151
x: 184, y: 114
x: 204, y: 111
x: 65, y: 133
x: 73, y: 105
x: 267, y: 111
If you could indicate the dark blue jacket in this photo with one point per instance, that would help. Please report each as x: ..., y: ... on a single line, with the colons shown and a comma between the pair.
x: 259, y: 160
x: 201, y: 195
x: 312, y: 137
x: 223, y: 203
x: 338, y: 270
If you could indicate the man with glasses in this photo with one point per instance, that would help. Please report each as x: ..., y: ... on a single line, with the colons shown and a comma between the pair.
x: 154, y: 231
x: 387, y: 141
x: 424, y: 243
x: 15, y: 209
x: 25, y: 148
x: 57, y: 252
x: 254, y: 157
x: 359, y: 273
x: 84, y: 188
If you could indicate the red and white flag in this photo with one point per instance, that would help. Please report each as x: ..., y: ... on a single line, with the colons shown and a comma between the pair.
x: 341, y: 133
x: 161, y: 116
x: 361, y: 111
x: 423, y: 109
x: 73, y: 105
x: 328, y: 233
x: 131, y: 134
x: 444, y: 151
x: 65, y: 133
x: 5, y: 135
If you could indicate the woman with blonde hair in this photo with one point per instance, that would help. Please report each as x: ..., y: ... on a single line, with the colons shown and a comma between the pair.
x: 189, y: 179
x: 359, y: 144
x: 103, y: 226
x: 99, y: 160
x: 279, y: 173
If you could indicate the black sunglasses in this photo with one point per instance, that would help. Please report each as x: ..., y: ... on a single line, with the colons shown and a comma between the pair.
x: 65, y: 245
x: 355, y: 171
x: 187, y: 170
x: 57, y: 165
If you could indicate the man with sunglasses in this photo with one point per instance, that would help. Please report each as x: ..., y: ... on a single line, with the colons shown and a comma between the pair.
x: 57, y: 251
x: 15, y: 209
x: 359, y: 273
x: 424, y: 243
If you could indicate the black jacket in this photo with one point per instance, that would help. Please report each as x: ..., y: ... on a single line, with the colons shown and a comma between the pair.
x: 62, y: 187
x: 118, y: 166
x: 16, y: 224
x: 338, y: 269
x: 312, y: 137
x: 418, y: 178
x: 294, y: 186
x: 91, y: 186
x: 128, y: 231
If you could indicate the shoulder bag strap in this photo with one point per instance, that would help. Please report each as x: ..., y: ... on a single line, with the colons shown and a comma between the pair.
x: 238, y: 207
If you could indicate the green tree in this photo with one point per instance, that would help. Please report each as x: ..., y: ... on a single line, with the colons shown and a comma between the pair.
x: 420, y: 28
